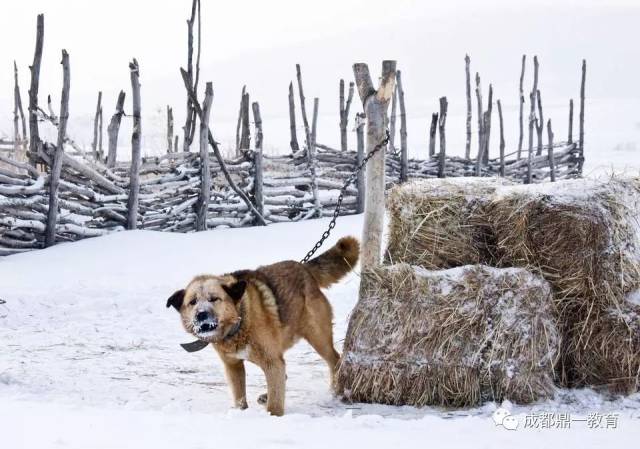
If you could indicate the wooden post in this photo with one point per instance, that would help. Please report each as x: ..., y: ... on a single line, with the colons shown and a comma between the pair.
x: 467, y: 148
x: 314, y: 121
x: 258, y: 195
x: 169, y: 129
x: 443, y: 143
x: 344, y: 114
x: 56, y: 169
x: 581, y: 118
x: 134, y: 174
x: 539, y: 124
x: 485, y: 143
x: 532, y: 98
x: 501, y: 138
x: 521, y: 136
x: 392, y: 121
x: 175, y: 143
x: 480, y: 116
x: 100, y: 136
x: 17, y: 141
x: 239, y: 124
x: 113, y: 129
x: 360, y: 183
x: 292, y: 122
x: 375, y: 104
x: 486, y: 123
x: 432, y: 134
x: 570, y: 136
x: 34, y: 135
x: 532, y: 119
x: 404, y: 159
x: 205, y: 171
x: 552, y: 162
x: 303, y: 107
x: 96, y: 118
x: 245, y: 132
x: 189, y: 125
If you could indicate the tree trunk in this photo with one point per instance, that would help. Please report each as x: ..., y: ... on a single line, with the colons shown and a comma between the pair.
x: 34, y: 135
x: 134, y: 175
x: 467, y: 148
x: 375, y: 104
x: 205, y: 171
x: 113, y: 129
x: 292, y: 121
x: 56, y: 169
x: 404, y: 160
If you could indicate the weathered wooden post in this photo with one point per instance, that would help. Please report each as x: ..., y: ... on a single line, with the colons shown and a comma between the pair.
x: 56, y: 169
x: 375, y: 104
x: 552, y: 162
x: 292, y: 122
x: 314, y: 121
x: 175, y: 143
x: 404, y: 159
x: 189, y: 126
x: 502, y: 145
x: 344, y: 114
x: 245, y: 131
x: 18, y: 112
x: 258, y: 192
x: 432, y: 134
x: 532, y: 120
x: 239, y: 123
x: 581, y: 118
x: 113, y: 130
x: 443, y: 142
x: 360, y: 183
x: 570, y: 136
x: 480, y: 116
x: 134, y: 173
x: 486, y: 123
x: 539, y: 124
x: 205, y: 170
x: 521, y: 136
x: 532, y: 99
x: 96, y: 119
x: 486, y: 117
x: 34, y: 134
x: 169, y: 129
x: 467, y: 148
x: 392, y: 121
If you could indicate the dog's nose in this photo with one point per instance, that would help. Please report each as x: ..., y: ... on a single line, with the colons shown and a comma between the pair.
x: 201, y: 316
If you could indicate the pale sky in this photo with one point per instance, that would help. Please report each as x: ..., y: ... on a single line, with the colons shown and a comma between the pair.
x: 258, y: 43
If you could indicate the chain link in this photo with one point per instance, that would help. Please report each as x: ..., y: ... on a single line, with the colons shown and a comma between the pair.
x: 352, y: 178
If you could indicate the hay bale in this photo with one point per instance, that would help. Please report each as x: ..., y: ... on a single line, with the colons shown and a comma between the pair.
x: 455, y: 337
x: 583, y: 237
x: 437, y: 223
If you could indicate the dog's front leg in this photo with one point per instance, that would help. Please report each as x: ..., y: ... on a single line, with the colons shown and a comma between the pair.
x: 274, y: 371
x: 234, y: 370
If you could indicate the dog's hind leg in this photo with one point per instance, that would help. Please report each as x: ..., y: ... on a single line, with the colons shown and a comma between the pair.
x: 234, y: 370
x: 320, y: 337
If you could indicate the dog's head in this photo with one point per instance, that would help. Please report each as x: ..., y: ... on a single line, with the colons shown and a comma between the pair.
x: 209, y: 306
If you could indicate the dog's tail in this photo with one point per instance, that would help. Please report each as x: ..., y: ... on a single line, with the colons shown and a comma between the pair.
x: 332, y: 265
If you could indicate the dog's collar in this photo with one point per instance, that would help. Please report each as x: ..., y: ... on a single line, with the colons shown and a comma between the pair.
x: 198, y: 345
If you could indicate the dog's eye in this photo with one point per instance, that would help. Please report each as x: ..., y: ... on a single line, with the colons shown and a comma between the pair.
x: 193, y: 302
x: 214, y: 299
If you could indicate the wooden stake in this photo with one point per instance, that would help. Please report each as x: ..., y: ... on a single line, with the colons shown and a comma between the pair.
x: 56, y: 169
x: 581, y: 118
x: 532, y: 99
x: 521, y: 136
x: 467, y: 148
x: 360, y: 182
x: 94, y: 143
x: 441, y: 130
x: 404, y: 159
x: 392, y: 121
x: 501, y: 138
x: 239, y: 124
x: 532, y: 119
x: 169, y: 129
x: 113, y: 130
x: 190, y: 119
x: 245, y: 132
x: 205, y: 170
x: 17, y: 141
x: 486, y: 122
x: 570, y: 136
x: 539, y: 124
x: 375, y: 104
x: 480, y: 116
x: 309, y: 144
x: 432, y: 134
x: 134, y: 174
x: 34, y: 135
x: 552, y: 162
x: 292, y: 122
x: 344, y: 114
x: 258, y: 195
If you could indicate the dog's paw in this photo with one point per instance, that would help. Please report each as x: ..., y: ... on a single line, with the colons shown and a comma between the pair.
x: 262, y: 399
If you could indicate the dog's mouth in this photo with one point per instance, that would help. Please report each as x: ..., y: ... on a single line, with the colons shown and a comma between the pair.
x: 205, y: 329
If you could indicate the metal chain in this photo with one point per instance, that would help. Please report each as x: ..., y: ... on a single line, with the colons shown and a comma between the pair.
x: 352, y: 178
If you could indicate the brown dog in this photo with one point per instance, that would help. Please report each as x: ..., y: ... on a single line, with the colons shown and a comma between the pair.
x: 256, y: 315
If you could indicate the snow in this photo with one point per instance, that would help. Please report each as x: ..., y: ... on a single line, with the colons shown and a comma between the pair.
x: 91, y: 359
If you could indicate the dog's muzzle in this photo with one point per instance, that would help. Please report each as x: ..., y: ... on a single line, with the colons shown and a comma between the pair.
x: 205, y: 323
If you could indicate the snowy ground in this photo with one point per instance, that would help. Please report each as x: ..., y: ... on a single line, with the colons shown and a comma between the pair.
x: 91, y: 358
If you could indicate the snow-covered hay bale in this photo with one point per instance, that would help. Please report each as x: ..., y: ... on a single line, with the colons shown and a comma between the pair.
x: 454, y: 337
x: 583, y: 237
x: 437, y: 223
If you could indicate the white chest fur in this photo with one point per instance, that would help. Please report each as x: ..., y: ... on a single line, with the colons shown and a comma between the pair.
x: 242, y: 354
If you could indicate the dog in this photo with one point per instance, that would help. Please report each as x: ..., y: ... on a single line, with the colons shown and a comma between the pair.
x: 256, y: 315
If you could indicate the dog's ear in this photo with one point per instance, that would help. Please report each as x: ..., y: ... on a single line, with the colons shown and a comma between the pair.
x: 236, y: 290
x: 176, y: 299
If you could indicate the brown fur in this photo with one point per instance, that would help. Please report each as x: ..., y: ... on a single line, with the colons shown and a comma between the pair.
x: 277, y: 305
